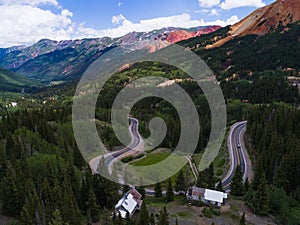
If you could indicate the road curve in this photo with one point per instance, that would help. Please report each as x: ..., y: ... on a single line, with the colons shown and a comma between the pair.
x: 237, y: 154
x: 110, y: 158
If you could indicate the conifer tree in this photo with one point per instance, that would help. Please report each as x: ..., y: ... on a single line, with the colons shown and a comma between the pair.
x: 206, y: 178
x: 211, y: 176
x: 57, y: 219
x: 93, y: 208
x: 152, y: 219
x: 69, y: 207
x: 170, y: 193
x: 243, y: 220
x: 144, y: 215
x: 32, y: 212
x: 220, y: 186
x: 236, y: 185
x: 158, y: 191
x: 180, y: 182
x: 260, y: 200
x: 246, y: 185
x: 163, y: 217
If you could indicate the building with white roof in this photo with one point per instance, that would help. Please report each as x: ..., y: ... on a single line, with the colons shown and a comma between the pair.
x: 129, y: 203
x: 207, y: 196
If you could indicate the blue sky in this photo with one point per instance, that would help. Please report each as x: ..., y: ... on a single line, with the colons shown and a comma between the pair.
x: 23, y: 22
x: 99, y: 13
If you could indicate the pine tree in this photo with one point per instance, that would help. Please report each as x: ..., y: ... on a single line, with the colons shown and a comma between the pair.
x: 206, y: 178
x: 152, y: 219
x: 176, y: 221
x: 246, y: 185
x: 3, y: 161
x: 57, y: 219
x: 170, y: 193
x: 93, y: 208
x: 106, y: 218
x: 69, y: 207
x: 84, y: 195
x: 236, y: 185
x: 32, y: 212
x: 118, y: 220
x: 220, y: 186
x: 243, y: 220
x: 201, y: 181
x: 142, y: 191
x: 158, y: 191
x: 163, y: 217
x: 180, y: 182
x: 144, y: 215
x: 260, y: 200
x: 106, y: 191
x: 128, y: 220
x: 14, y: 198
x: 211, y: 176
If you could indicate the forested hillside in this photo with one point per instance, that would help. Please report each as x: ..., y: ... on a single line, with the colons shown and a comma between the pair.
x: 275, y: 137
x: 43, y: 171
x: 244, y: 55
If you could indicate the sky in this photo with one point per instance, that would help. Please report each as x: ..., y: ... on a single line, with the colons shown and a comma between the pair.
x: 24, y: 22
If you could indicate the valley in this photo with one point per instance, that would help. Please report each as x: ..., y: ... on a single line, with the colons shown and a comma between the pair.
x: 47, y: 178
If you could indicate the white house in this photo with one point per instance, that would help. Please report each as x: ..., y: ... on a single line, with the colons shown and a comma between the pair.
x: 214, y: 197
x: 129, y: 203
x: 207, y: 196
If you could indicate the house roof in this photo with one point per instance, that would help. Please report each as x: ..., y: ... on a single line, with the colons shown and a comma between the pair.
x: 123, y: 213
x: 215, y: 196
x: 196, y: 191
x: 129, y: 204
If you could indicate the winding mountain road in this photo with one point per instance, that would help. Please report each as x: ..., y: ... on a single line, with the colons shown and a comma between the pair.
x: 110, y: 158
x: 237, y: 154
x: 236, y: 147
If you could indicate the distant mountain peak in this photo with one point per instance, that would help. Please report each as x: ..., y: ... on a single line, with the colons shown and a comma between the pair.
x: 264, y: 20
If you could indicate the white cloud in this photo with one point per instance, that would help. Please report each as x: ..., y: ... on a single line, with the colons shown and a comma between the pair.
x: 126, y: 26
x: 214, y: 12
x: 120, y: 4
x: 28, y: 2
x: 209, y: 3
x: 24, y: 24
x: 118, y: 19
x: 231, y: 4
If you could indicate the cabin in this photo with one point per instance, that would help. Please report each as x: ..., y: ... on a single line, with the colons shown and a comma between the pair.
x: 206, y: 196
x: 129, y: 203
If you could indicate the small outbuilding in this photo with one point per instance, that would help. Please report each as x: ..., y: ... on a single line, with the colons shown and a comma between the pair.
x: 207, y: 196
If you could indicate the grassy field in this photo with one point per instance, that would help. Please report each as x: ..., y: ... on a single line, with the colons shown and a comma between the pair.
x: 151, y: 159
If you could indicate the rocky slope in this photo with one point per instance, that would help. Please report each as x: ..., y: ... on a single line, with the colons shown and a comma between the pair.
x: 179, y: 35
x: 49, y: 60
x: 264, y: 20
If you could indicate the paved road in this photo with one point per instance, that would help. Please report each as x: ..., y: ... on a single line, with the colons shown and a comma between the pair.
x: 110, y: 158
x: 237, y: 153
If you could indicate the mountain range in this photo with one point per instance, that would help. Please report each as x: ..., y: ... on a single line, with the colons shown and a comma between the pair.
x: 49, y: 60
x: 267, y: 39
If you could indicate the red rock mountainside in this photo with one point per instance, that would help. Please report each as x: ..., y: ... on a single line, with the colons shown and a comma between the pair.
x: 264, y: 20
x: 180, y: 35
